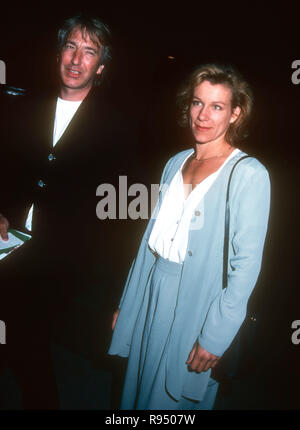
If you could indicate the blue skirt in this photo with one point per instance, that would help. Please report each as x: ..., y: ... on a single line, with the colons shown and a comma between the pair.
x: 144, y: 386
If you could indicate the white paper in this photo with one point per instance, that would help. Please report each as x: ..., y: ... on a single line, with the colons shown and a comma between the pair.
x: 13, y: 242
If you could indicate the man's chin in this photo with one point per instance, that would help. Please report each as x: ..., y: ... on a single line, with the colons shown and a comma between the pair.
x: 73, y: 83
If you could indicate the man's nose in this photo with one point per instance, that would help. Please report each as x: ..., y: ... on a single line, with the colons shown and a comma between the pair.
x: 76, y: 58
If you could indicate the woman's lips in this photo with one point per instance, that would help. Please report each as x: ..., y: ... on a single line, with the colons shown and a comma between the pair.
x: 199, y: 127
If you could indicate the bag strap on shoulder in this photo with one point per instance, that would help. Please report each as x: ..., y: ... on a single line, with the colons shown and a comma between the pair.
x: 227, y: 219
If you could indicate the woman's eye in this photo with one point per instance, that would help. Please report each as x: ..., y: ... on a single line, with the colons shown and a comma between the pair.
x: 196, y: 103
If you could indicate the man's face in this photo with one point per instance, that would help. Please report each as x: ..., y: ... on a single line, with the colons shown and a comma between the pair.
x: 79, y: 63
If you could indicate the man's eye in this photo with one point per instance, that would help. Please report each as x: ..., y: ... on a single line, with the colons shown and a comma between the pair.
x: 217, y: 107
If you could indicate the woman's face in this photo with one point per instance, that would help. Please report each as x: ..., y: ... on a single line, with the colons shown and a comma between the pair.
x: 211, y: 112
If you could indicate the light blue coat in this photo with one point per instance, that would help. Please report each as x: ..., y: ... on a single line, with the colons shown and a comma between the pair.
x: 204, y: 311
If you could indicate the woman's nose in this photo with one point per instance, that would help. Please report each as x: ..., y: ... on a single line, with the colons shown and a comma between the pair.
x: 202, y: 114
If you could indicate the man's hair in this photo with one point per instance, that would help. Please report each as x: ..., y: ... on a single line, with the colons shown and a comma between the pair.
x: 219, y: 74
x: 96, y: 29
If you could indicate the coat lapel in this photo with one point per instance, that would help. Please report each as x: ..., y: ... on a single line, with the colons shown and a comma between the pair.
x: 80, y: 132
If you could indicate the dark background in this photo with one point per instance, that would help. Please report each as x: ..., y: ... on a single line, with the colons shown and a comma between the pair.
x: 262, y: 44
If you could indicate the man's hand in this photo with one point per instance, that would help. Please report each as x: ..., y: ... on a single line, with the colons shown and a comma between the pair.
x: 4, y: 226
x: 200, y: 360
x: 115, y: 317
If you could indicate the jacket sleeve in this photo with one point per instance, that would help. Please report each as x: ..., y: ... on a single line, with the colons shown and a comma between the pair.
x: 249, y: 220
x: 134, y: 291
x: 146, y: 234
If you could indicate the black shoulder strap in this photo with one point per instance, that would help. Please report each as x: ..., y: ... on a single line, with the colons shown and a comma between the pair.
x: 227, y: 218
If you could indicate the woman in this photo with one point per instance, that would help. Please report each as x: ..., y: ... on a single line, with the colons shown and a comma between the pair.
x: 175, y: 321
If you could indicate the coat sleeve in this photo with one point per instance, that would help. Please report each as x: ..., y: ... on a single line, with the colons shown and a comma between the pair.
x: 134, y: 290
x: 249, y: 221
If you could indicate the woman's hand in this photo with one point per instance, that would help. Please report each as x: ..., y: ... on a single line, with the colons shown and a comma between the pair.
x: 200, y: 360
x: 115, y: 317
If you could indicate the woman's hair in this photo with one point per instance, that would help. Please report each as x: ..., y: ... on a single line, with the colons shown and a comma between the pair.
x: 219, y: 74
x: 95, y: 29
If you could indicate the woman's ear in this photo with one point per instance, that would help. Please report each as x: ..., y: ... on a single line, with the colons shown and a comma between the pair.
x: 235, y: 114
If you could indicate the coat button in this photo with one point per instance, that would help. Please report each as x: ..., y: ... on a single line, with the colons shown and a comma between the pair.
x: 41, y: 184
x: 51, y: 157
x: 190, y: 253
x: 197, y: 213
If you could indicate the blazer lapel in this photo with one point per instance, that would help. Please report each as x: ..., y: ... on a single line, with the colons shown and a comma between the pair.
x: 79, y: 132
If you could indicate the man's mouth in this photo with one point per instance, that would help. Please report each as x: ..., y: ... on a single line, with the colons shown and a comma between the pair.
x: 73, y: 72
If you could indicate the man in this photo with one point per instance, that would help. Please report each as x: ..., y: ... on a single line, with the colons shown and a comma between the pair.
x: 73, y: 143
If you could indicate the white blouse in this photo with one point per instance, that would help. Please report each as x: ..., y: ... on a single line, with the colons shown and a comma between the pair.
x: 169, y: 236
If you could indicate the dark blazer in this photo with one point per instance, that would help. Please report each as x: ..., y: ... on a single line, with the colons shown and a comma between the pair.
x: 71, y: 248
